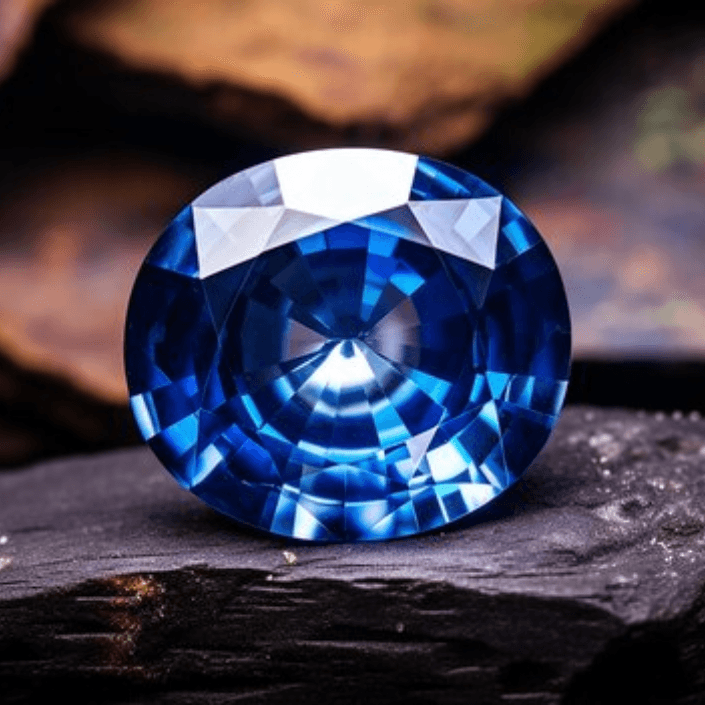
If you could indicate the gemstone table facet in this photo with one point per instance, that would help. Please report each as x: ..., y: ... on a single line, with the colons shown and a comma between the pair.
x: 348, y: 345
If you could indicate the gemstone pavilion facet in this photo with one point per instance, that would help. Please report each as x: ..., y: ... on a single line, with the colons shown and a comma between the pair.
x: 348, y: 344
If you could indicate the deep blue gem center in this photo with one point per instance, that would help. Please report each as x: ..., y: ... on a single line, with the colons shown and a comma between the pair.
x: 349, y: 379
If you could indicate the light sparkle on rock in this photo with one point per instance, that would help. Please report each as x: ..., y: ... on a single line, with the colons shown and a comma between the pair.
x: 348, y: 344
x: 289, y: 557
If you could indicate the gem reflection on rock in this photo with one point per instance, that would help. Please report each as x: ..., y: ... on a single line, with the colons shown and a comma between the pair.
x: 348, y: 344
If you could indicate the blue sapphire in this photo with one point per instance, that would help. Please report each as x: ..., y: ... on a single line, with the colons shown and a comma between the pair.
x: 348, y: 345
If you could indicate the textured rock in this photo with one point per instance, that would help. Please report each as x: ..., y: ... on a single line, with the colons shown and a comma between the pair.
x: 424, y: 76
x: 583, y: 584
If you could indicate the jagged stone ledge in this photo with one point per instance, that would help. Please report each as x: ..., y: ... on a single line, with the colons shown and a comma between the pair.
x: 581, y: 584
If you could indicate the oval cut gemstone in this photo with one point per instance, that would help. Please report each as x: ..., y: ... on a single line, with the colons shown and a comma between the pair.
x: 348, y: 345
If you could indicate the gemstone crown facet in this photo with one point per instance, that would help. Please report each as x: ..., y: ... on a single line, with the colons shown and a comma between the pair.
x: 348, y: 344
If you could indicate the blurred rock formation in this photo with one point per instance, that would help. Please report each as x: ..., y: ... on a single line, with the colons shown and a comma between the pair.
x: 422, y: 76
x: 17, y: 20
x: 114, y: 114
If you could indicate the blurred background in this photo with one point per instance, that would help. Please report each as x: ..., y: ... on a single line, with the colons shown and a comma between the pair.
x: 590, y: 114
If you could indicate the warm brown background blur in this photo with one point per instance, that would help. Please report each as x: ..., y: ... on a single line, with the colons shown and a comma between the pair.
x: 114, y: 113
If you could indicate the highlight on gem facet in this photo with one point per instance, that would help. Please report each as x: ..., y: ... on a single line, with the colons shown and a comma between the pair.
x: 348, y: 345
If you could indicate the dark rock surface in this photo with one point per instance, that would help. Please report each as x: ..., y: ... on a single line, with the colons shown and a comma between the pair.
x: 582, y: 584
